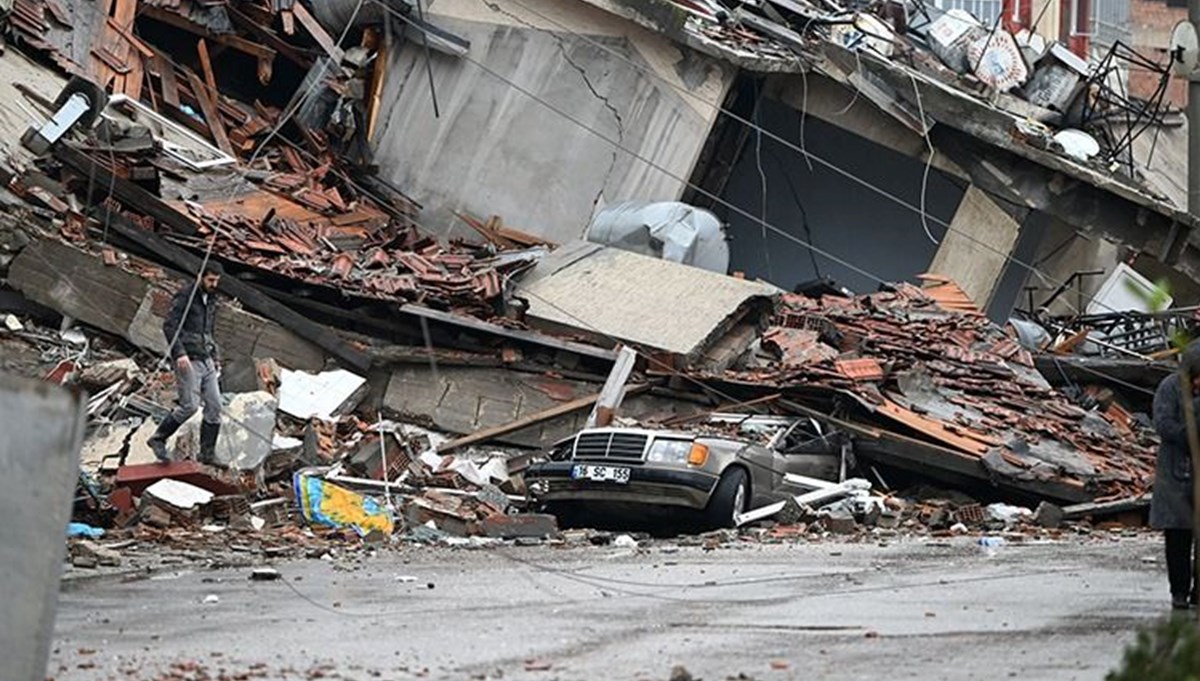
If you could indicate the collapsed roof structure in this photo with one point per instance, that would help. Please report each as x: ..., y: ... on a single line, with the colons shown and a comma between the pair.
x: 331, y: 261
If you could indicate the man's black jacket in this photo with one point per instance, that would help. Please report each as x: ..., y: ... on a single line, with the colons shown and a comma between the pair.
x: 196, y: 330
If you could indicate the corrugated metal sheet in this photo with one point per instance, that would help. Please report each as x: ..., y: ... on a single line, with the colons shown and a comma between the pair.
x: 635, y: 298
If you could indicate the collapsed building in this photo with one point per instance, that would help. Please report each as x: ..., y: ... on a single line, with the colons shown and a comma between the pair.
x: 368, y: 190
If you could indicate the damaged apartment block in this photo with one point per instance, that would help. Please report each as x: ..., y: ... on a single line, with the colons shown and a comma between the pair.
x: 751, y: 265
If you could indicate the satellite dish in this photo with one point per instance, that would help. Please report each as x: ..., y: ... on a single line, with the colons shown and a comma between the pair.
x: 1185, y: 49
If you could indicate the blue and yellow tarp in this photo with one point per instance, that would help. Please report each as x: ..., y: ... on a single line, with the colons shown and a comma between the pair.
x: 324, y: 503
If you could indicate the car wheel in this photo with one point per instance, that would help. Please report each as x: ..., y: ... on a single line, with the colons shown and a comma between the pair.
x: 728, y: 499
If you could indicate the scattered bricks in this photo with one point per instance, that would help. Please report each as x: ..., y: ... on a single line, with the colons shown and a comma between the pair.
x: 91, y: 554
x: 1048, y: 515
x: 227, y: 508
x: 972, y: 514
x: 522, y: 525
x: 865, y: 369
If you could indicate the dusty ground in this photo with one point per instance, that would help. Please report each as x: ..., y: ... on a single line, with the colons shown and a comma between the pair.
x: 903, y: 609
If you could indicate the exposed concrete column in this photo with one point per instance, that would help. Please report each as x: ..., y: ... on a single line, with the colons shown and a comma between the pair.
x: 39, y: 465
x: 976, y: 249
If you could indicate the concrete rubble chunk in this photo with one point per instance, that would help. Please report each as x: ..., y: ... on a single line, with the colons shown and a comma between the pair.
x: 322, y: 395
x: 90, y: 551
x: 840, y: 522
x: 1048, y: 515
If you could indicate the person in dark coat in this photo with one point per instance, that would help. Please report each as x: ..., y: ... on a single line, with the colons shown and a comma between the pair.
x: 189, y: 331
x: 1171, y: 506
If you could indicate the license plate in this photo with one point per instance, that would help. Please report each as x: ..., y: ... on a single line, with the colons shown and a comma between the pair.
x: 617, y: 474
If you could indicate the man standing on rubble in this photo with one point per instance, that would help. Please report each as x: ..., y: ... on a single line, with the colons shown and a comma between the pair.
x: 189, y: 332
x: 1171, y: 506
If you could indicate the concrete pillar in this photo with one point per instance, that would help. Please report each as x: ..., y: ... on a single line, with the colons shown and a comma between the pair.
x: 42, y: 426
x: 975, y: 250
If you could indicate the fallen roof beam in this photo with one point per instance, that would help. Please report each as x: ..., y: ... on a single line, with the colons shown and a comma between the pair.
x: 318, y: 33
x: 270, y: 38
x: 934, y: 460
x: 209, y: 106
x: 542, y: 339
x: 614, y: 389
x: 532, y: 419
x: 232, y: 40
x: 123, y: 190
x: 254, y: 300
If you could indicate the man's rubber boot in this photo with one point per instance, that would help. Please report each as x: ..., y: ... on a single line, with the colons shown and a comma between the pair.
x: 208, y: 442
x: 158, y: 441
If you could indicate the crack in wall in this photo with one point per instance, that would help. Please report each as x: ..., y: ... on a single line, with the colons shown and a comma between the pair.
x: 587, y: 81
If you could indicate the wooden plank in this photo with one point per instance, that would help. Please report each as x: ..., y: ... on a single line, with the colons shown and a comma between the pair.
x: 269, y: 37
x: 544, y: 340
x: 614, y: 388
x: 314, y: 28
x: 211, y: 115
x: 210, y: 78
x: 166, y: 74
x: 115, y: 29
x: 232, y: 40
x: 130, y: 38
x: 531, y: 420
x: 378, y: 77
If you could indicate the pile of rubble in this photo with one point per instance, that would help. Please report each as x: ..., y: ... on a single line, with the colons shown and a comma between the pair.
x: 174, y: 169
x: 911, y: 58
x: 916, y: 360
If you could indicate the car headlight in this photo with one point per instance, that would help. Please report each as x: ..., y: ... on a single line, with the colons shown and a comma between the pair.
x: 670, y: 451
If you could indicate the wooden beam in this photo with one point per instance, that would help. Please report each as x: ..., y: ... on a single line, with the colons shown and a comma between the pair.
x: 210, y: 78
x: 130, y: 38
x: 123, y: 190
x: 319, y: 34
x: 249, y: 296
x: 614, y: 388
x: 532, y: 420
x: 378, y: 77
x: 269, y: 37
x: 212, y: 116
x: 166, y: 74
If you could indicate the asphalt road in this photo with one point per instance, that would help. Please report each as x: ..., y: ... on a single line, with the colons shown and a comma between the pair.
x: 906, y: 609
